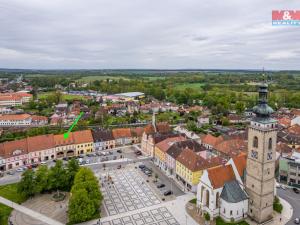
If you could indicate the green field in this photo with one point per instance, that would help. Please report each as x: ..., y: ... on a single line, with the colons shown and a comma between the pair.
x: 64, y: 96
x: 10, y: 192
x: 93, y: 78
x: 189, y: 85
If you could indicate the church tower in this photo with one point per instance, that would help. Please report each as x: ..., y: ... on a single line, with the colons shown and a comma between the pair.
x: 260, y: 172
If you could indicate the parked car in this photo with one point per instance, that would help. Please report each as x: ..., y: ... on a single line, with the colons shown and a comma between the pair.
x: 119, y: 167
x: 115, y: 157
x: 119, y: 151
x: 296, y: 190
x: 169, y: 192
x: 138, y: 152
x: 11, y: 172
x: 142, y: 166
x: 20, y: 169
x: 297, y: 221
x: 87, y: 161
x: 43, y: 162
x: 160, y: 185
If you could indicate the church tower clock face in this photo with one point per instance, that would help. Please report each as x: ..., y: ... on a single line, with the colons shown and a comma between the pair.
x: 260, y: 171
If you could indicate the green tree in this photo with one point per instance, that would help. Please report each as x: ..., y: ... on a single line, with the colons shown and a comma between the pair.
x: 239, y: 107
x: 42, y: 179
x: 27, y: 184
x: 72, y: 169
x: 81, y: 207
x: 58, y: 177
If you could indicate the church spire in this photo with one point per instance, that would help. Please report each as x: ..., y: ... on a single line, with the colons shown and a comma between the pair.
x: 263, y: 110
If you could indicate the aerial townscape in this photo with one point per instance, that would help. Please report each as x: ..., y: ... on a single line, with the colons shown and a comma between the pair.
x: 149, y: 113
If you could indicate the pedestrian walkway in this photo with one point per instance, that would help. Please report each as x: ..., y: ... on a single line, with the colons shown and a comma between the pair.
x: 29, y: 212
x: 174, y: 207
x: 279, y: 219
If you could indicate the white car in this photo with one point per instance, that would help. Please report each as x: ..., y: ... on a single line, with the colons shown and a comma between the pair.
x: 43, y: 162
x: 297, y: 221
x: 20, y: 169
x: 283, y: 187
x: 87, y: 161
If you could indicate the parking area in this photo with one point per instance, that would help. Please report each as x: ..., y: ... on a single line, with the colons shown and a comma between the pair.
x: 126, y: 190
x: 158, y: 216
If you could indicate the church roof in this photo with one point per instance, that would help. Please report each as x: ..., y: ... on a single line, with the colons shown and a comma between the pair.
x: 232, y: 192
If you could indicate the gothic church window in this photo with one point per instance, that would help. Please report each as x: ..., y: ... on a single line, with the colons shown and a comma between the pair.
x: 255, y: 142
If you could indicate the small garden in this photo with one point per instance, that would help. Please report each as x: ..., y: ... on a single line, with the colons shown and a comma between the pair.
x: 277, y: 206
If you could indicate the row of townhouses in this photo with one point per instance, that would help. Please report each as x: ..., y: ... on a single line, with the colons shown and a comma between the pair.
x: 14, y: 99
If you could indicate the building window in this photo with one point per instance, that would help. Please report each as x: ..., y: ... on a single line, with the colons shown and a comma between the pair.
x: 270, y: 144
x: 254, y: 154
x: 255, y: 142
x: 224, y: 211
x: 230, y: 212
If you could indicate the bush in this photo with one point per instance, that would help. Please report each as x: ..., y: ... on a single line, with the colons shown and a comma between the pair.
x: 277, y: 206
x: 207, y: 216
x: 193, y: 201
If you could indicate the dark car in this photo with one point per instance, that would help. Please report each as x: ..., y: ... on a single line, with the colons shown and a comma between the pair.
x: 119, y: 151
x: 138, y: 153
x: 119, y: 167
x: 296, y: 190
x: 142, y: 166
x: 166, y: 193
x: 160, y: 185
x: 115, y: 157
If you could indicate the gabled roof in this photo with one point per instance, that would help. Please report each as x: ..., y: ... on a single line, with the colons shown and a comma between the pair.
x: 240, y: 163
x: 191, y: 160
x: 83, y: 136
x: 167, y: 143
x: 7, y: 148
x: 232, y: 147
x: 177, y: 147
x: 15, y: 117
x: 295, y: 129
x: 100, y: 135
x: 162, y: 127
x: 219, y: 175
x: 212, y: 140
x: 137, y: 131
x: 232, y: 192
x: 121, y: 133
x: 41, y: 142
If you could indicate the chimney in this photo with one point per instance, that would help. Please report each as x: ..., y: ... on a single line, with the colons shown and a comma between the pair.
x: 154, y: 122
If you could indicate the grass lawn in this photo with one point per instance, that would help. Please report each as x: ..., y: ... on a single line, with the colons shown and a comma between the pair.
x: 10, y: 192
x: 64, y: 96
x: 189, y: 85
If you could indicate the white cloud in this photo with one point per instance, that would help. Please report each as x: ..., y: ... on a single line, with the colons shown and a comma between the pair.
x: 145, y: 34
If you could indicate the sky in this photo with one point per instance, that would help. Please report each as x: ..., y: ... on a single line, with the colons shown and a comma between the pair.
x: 147, y: 34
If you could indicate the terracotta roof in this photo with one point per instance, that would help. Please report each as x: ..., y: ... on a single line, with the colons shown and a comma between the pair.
x: 137, y: 131
x: 102, y: 135
x: 83, y: 136
x: 167, y: 143
x: 283, y: 148
x: 34, y: 118
x: 219, y: 175
x: 15, y: 117
x: 162, y: 127
x: 191, y: 160
x: 240, y: 162
x: 212, y: 140
x: 59, y: 140
x: 232, y: 147
x: 295, y: 112
x: 121, y: 133
x: 284, y: 121
x: 7, y: 148
x: 40, y: 142
x: 295, y: 129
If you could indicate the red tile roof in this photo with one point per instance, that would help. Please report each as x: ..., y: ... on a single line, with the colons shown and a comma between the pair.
x: 15, y: 117
x: 232, y: 147
x: 286, y: 122
x: 83, y: 136
x: 8, y: 148
x: 41, y: 142
x: 295, y: 129
x: 167, y: 143
x: 219, y: 175
x: 121, y: 133
x: 212, y: 140
x: 240, y: 162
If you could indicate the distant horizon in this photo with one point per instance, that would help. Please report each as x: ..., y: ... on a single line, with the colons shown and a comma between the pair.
x: 139, y: 69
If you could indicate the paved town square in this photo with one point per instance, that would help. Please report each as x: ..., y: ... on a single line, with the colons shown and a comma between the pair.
x: 128, y: 191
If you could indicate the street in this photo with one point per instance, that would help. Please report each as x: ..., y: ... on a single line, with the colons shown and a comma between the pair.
x: 294, y: 199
